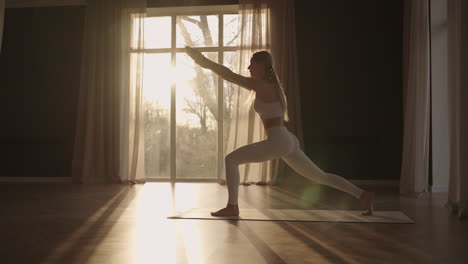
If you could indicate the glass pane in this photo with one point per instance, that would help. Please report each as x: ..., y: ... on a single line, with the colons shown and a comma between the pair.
x: 197, y: 31
x: 157, y: 101
x: 196, y: 132
x: 157, y: 32
x: 231, y: 30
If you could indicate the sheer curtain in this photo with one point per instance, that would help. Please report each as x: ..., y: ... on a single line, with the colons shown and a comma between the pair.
x: 132, y: 154
x: 264, y: 25
x: 284, y: 51
x: 246, y: 126
x: 458, y: 106
x: 108, y: 129
x: 416, y: 74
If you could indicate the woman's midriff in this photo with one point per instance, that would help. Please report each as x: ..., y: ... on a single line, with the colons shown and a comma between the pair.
x: 273, y: 122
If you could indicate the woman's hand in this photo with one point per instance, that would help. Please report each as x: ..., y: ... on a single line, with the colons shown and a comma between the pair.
x: 221, y: 70
x: 198, y: 57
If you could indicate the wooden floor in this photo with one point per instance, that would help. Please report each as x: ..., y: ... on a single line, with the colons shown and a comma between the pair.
x: 69, y: 223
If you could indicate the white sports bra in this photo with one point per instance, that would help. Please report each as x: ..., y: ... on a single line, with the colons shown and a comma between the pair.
x: 268, y: 110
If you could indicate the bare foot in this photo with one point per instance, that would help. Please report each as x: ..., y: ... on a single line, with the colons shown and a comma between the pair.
x: 229, y: 210
x: 368, y: 199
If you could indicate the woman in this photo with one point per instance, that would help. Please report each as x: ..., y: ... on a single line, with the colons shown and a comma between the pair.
x: 270, y: 103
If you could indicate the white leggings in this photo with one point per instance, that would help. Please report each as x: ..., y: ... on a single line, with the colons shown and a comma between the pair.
x: 280, y: 143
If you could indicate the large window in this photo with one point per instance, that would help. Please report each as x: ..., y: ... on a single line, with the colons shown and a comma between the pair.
x: 187, y: 108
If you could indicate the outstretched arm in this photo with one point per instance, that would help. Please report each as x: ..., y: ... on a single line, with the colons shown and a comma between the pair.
x: 222, y: 71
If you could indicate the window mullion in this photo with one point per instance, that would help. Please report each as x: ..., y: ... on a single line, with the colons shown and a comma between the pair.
x: 178, y: 50
x: 173, y: 102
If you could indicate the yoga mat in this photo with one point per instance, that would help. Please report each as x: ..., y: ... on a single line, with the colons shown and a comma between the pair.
x: 396, y: 217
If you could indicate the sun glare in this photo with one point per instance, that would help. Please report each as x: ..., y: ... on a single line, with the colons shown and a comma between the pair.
x: 159, y: 78
x: 154, y: 236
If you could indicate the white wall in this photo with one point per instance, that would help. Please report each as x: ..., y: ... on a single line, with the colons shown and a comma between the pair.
x: 440, y: 131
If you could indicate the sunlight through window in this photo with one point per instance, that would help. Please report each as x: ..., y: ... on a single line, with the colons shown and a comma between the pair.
x: 181, y: 94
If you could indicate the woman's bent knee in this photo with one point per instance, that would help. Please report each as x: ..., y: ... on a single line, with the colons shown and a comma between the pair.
x: 230, y: 159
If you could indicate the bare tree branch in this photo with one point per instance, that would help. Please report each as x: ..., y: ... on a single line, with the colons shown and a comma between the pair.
x: 188, y: 19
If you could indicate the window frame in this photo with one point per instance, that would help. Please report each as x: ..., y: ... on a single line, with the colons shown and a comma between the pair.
x: 220, y: 49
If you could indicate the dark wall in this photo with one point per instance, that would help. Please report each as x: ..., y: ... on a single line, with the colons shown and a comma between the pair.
x: 350, y: 62
x: 39, y: 73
